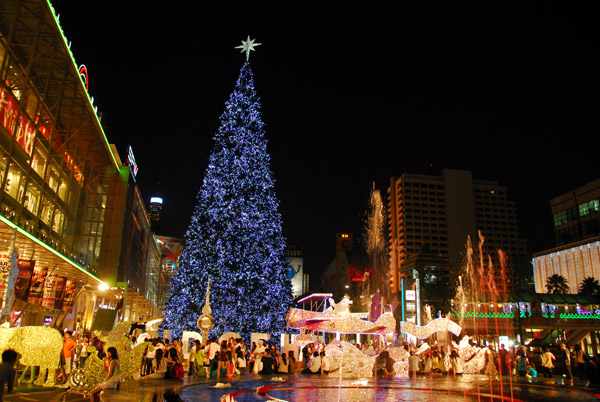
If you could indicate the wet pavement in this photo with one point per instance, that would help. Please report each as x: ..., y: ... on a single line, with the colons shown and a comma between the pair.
x: 252, y: 388
x: 438, y: 388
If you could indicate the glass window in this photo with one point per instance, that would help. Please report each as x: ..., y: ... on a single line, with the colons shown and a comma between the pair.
x: 47, y: 210
x: 32, y: 198
x: 62, y: 188
x: 14, y: 182
x: 3, y: 162
x: 54, y: 177
x: 12, y: 78
x: 39, y: 159
x: 59, y: 220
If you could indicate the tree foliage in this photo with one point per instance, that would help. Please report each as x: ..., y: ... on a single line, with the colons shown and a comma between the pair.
x: 235, y: 234
x: 589, y: 286
x: 557, y: 284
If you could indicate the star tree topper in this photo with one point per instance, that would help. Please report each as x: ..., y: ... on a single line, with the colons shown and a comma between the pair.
x: 248, y: 46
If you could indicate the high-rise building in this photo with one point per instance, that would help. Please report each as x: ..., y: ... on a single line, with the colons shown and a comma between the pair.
x: 154, y: 212
x: 442, y: 211
x: 576, y: 214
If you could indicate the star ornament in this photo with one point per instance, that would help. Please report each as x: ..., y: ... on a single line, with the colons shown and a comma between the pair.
x: 248, y: 46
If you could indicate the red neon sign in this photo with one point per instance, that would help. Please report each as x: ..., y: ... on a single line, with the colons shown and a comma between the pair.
x: 359, y: 275
x: 84, y: 75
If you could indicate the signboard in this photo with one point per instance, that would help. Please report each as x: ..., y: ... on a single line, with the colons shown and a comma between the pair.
x: 50, y: 291
x: 411, y: 295
x: 10, y: 284
x: 17, y: 124
x: 36, y: 290
x: 68, y: 297
x: 4, y: 271
x: 23, y: 282
x: 359, y: 275
x: 131, y: 161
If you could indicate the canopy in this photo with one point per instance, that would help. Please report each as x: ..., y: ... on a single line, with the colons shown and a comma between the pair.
x: 228, y: 335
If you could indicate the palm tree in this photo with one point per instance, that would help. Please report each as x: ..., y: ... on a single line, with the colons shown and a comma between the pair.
x: 589, y: 286
x: 557, y: 284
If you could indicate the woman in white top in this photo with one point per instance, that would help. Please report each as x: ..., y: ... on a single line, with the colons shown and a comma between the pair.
x: 547, y: 362
x: 113, y: 368
x: 159, y: 366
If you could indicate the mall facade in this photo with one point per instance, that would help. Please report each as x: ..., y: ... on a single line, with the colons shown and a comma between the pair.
x: 67, y: 201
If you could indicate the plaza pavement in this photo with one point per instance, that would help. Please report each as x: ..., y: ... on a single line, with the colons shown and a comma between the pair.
x: 301, y: 387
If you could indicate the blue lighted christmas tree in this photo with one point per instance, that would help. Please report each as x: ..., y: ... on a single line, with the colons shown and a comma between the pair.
x: 235, y: 234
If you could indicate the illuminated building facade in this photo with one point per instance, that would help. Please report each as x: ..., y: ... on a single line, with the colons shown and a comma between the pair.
x: 170, y: 250
x: 441, y: 212
x: 62, y: 186
x: 154, y: 212
x: 576, y: 219
x: 296, y: 273
x: 575, y: 262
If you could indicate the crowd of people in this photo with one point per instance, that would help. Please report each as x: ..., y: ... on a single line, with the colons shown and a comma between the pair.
x: 230, y: 358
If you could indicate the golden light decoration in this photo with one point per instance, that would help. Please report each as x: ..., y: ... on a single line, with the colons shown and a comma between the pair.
x: 38, y: 346
x: 351, y: 361
x: 130, y: 360
x: 342, y: 323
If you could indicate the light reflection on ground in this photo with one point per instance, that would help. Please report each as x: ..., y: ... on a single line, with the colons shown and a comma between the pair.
x: 440, y: 389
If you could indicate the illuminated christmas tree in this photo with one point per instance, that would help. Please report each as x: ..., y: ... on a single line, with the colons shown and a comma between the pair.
x: 235, y: 234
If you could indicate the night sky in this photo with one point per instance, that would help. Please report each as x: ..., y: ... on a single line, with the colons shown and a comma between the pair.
x: 351, y: 95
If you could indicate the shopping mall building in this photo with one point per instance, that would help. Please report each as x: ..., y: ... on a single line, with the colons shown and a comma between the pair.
x: 66, y: 199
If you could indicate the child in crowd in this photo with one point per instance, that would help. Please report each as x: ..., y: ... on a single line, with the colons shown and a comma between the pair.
x: 7, y: 371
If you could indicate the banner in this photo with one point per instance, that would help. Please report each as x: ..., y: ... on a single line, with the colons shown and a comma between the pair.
x: 36, y: 290
x: 4, y: 271
x: 10, y: 284
x: 69, y: 297
x: 23, y: 281
x: 59, y: 292
x: 49, y: 291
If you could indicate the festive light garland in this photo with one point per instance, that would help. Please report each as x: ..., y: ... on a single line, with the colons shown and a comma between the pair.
x: 437, y: 325
x: 564, y: 316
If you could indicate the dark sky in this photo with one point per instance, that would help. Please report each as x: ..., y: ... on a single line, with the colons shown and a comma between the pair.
x: 352, y: 94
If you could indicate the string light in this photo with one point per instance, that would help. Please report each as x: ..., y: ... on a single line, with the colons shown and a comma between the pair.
x: 93, y: 374
x: 437, y: 325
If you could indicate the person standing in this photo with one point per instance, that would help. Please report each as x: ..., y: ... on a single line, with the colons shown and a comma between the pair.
x: 68, y: 346
x: 547, y: 362
x: 413, y: 365
x: 456, y: 362
x: 212, y: 351
x: 522, y: 362
x: 191, y: 359
x: 150, y: 356
x: 579, y: 361
x: 566, y: 357
x: 83, y: 351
